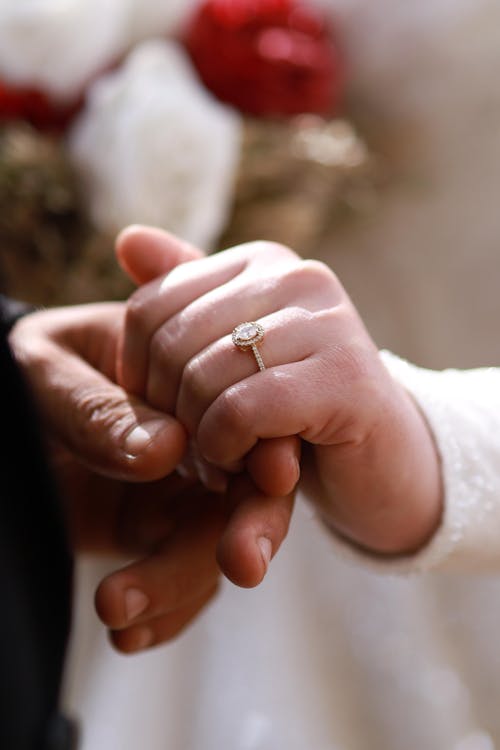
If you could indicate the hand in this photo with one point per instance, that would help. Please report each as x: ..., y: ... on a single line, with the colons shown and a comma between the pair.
x: 104, y: 475
x: 68, y: 357
x: 372, y: 466
x: 261, y: 510
x: 112, y: 501
x: 169, y: 529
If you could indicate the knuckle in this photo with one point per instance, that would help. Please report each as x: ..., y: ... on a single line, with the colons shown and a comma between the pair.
x: 268, y: 247
x: 29, y: 349
x: 103, y: 412
x: 165, y: 347
x: 233, y: 409
x: 194, y: 380
x: 97, y: 407
x: 353, y: 365
x: 314, y: 276
x: 300, y: 314
x: 98, y: 422
x: 318, y: 269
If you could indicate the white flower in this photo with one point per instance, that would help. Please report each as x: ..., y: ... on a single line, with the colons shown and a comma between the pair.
x: 58, y: 45
x: 154, y: 147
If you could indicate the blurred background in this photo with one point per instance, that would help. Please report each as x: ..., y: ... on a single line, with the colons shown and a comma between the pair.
x: 364, y: 134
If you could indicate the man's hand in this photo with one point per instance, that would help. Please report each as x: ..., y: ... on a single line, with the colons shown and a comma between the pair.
x: 68, y: 357
x: 112, y: 455
x: 169, y: 529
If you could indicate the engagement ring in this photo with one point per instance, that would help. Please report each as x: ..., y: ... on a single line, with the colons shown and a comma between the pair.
x: 247, y: 336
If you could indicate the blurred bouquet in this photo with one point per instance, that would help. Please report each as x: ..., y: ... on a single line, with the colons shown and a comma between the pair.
x: 158, y: 131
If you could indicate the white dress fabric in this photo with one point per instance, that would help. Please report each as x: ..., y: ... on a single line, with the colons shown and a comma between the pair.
x: 325, y: 655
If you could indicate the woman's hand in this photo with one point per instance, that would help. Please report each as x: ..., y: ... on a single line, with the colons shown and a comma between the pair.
x: 371, y: 467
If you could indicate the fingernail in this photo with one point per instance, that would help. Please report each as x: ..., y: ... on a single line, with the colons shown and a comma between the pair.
x: 144, y: 638
x: 266, y: 550
x: 136, y: 602
x: 141, y: 436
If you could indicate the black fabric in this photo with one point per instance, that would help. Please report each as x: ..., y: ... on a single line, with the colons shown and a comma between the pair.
x: 11, y: 310
x: 62, y: 734
x: 35, y: 570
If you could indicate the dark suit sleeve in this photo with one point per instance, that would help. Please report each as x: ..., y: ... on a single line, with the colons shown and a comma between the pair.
x: 35, y: 570
x: 10, y: 312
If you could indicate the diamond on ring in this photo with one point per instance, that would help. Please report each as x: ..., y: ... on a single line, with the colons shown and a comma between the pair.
x: 247, y: 336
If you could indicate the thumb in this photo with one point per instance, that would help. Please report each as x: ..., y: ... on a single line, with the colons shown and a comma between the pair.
x: 145, y: 253
x: 67, y: 356
x: 112, y: 432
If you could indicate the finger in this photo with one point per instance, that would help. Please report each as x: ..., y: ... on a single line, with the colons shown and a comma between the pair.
x: 311, y: 398
x: 149, y: 514
x: 283, y: 284
x: 65, y: 354
x: 111, y: 525
x: 105, y: 516
x: 210, y: 476
x: 111, y: 432
x: 157, y: 302
x: 145, y: 253
x: 161, y: 629
x: 274, y: 465
x: 179, y: 572
x: 152, y: 306
x: 292, y: 400
x: 290, y: 335
x: 253, y: 534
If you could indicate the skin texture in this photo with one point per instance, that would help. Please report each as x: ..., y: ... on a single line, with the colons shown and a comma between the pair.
x: 125, y: 502
x: 369, y: 461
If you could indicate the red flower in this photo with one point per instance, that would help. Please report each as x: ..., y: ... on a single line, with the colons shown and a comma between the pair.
x: 266, y: 57
x: 35, y: 107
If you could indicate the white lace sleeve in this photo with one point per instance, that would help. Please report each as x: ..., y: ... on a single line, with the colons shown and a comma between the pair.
x: 463, y: 410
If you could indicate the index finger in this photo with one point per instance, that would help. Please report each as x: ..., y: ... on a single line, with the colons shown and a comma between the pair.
x: 254, y: 533
x: 145, y: 253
